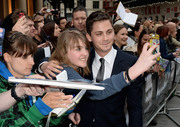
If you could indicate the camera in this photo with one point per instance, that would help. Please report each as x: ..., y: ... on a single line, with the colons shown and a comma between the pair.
x: 54, y: 12
x: 48, y: 10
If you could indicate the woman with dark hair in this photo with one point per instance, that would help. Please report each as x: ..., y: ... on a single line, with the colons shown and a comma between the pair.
x: 144, y: 37
x: 164, y: 32
x: 50, y: 32
x: 17, y: 61
x: 133, y: 37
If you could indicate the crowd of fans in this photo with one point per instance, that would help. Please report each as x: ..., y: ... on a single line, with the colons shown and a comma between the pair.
x: 39, y: 47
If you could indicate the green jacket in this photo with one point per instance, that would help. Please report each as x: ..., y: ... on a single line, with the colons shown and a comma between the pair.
x: 22, y: 114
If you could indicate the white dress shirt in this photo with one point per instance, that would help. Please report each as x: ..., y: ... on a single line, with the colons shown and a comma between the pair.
x: 109, y: 62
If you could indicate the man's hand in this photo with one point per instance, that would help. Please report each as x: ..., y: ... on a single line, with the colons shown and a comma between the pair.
x: 43, y: 10
x: 75, y: 118
x: 145, y: 61
x: 49, y: 67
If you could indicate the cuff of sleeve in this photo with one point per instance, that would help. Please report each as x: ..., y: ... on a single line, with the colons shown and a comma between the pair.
x: 34, y: 114
x: 42, y: 107
x: 70, y: 111
x: 120, y: 77
x: 39, y: 67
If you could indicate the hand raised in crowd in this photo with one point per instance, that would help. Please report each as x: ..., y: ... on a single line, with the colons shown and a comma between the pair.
x: 21, y: 26
x: 57, y: 99
x: 43, y: 10
x: 75, y: 118
x: 145, y: 61
x: 176, y: 54
x: 49, y: 67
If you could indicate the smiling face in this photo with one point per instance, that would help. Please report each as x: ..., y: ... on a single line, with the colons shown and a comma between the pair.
x: 121, y: 37
x: 78, y: 54
x: 102, y: 37
x: 19, y: 66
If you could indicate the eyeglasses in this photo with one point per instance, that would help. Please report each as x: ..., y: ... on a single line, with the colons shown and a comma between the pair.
x: 41, y: 21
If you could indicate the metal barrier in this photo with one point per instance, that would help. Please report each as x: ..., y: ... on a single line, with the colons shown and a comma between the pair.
x: 157, y: 90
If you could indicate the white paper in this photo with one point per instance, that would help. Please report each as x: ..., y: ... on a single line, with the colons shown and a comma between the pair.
x: 62, y: 76
x: 47, y: 51
x: 128, y: 18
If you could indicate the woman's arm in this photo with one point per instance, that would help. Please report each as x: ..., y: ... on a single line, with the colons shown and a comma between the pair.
x: 117, y: 82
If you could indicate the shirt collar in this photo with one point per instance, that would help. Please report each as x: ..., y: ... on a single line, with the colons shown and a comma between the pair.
x: 109, y: 57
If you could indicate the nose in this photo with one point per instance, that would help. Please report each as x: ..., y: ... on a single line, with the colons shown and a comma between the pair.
x: 33, y: 27
x: 105, y: 37
x: 31, y: 60
x: 80, y: 20
x: 126, y: 36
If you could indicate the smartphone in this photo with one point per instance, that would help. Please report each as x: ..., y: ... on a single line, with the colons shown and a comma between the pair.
x: 155, y: 41
x: 21, y: 15
x: 54, y: 12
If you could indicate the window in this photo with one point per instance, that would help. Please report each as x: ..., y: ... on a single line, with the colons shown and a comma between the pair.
x: 95, y: 4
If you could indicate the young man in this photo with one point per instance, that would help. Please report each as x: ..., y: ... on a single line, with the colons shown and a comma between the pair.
x: 62, y: 21
x: 110, y: 111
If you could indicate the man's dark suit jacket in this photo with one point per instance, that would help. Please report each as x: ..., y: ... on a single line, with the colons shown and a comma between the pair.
x: 110, y: 111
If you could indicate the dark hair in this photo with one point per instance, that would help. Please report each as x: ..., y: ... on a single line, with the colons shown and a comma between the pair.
x: 59, y: 19
x: 79, y: 8
x: 35, y: 16
x: 175, y: 20
x: 94, y: 17
x: 140, y: 46
x: 47, y: 33
x: 18, y: 44
x: 117, y: 28
x: 162, y: 31
x: 135, y: 28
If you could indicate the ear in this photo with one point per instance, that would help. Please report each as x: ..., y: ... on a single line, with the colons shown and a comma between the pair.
x: 88, y: 37
x: 7, y: 57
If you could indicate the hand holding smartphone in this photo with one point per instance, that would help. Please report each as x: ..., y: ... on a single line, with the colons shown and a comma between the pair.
x: 21, y: 15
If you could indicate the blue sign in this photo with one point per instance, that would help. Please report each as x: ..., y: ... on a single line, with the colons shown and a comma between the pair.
x: 2, y: 32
